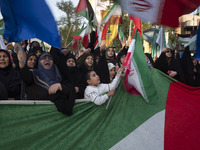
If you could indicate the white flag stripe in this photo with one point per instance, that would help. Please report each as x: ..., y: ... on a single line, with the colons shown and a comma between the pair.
x: 148, y: 10
x: 148, y: 136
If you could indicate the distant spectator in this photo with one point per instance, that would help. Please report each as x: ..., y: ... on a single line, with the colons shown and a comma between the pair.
x: 76, y: 74
x: 110, y: 55
x: 112, y: 71
x: 169, y: 65
x: 9, y: 77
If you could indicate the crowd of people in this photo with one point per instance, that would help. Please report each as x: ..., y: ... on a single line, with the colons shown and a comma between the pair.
x: 61, y: 77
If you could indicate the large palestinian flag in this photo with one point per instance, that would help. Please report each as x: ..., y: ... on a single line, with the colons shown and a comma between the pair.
x: 170, y: 122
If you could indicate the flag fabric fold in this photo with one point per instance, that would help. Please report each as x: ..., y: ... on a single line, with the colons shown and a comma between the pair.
x: 121, y: 36
x: 157, y: 11
x: 197, y: 54
x: 110, y: 19
x: 85, y: 9
x: 29, y: 19
x: 183, y: 38
x: 137, y: 78
x: 161, y: 40
x: 128, y: 123
x: 84, y: 34
x: 148, y: 34
x: 137, y: 25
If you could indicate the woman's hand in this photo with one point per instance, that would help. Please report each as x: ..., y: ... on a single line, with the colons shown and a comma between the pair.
x: 54, y: 88
x: 121, y: 69
x: 173, y: 73
x: 76, y: 89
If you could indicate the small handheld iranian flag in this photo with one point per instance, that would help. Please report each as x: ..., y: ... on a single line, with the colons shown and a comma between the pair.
x: 138, y: 79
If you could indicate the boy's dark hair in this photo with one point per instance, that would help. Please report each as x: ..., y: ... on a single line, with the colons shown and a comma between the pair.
x: 87, y: 76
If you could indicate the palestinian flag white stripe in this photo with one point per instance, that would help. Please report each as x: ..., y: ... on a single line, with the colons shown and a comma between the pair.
x: 161, y: 40
x: 149, y: 135
x: 183, y: 39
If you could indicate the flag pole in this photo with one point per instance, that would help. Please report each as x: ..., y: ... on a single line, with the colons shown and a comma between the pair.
x: 130, y: 27
x: 108, y: 102
x: 68, y: 44
x: 68, y: 35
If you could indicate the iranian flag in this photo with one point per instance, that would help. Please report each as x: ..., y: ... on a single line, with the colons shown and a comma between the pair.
x: 83, y: 33
x: 169, y: 122
x: 121, y: 36
x: 137, y: 25
x: 74, y: 45
x: 165, y: 12
x: 137, y: 79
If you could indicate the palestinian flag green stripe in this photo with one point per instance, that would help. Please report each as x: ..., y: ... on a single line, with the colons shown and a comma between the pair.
x: 90, y: 126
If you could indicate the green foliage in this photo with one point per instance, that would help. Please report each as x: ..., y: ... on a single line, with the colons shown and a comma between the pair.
x: 70, y: 23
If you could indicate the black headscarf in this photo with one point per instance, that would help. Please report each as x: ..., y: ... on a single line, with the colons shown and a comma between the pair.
x: 71, y: 69
x: 111, y: 59
x: 46, y: 77
x: 35, y: 49
x: 120, y: 54
x: 10, y: 78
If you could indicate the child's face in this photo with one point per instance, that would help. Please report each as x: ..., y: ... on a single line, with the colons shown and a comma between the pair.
x: 94, y: 79
x: 89, y: 61
x: 112, y: 73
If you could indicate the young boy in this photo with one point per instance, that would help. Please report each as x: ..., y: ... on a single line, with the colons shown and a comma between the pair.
x: 99, y: 93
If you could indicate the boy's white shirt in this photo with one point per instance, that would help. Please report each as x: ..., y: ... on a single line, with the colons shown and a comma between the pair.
x: 94, y: 93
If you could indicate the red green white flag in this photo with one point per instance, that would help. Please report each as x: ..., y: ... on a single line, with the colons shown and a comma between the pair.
x: 115, y: 10
x: 165, y: 12
x: 85, y: 9
x: 170, y: 122
x: 121, y: 36
x: 83, y: 33
x: 137, y: 79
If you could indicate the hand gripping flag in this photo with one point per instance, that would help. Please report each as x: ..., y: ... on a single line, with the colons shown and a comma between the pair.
x: 29, y: 19
x: 138, y: 79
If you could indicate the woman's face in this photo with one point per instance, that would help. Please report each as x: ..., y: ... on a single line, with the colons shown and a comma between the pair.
x: 168, y: 53
x: 194, y: 62
x: 71, y: 63
x: 4, y: 60
x: 89, y: 61
x: 112, y: 73
x: 46, y: 62
x: 110, y: 52
x: 122, y: 59
x: 31, y: 61
x: 38, y: 53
